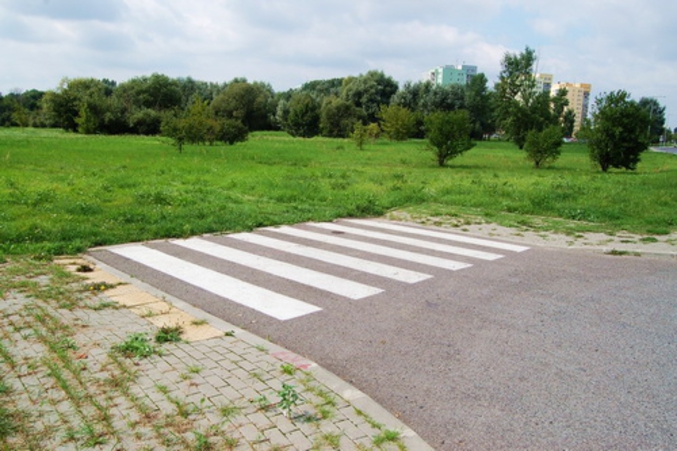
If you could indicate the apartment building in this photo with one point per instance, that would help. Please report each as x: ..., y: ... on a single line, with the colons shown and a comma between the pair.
x: 578, y: 95
x: 450, y: 75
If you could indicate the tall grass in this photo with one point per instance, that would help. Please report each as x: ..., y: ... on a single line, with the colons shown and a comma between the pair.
x: 61, y: 193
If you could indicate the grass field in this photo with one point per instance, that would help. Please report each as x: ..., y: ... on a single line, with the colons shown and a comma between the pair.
x: 63, y: 193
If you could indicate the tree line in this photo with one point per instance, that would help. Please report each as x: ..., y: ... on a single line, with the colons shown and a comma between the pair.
x: 362, y: 107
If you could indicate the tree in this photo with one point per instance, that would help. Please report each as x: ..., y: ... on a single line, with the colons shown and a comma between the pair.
x: 303, y: 116
x: 657, y: 118
x: 569, y: 123
x: 231, y: 131
x: 78, y: 104
x: 250, y: 103
x: 515, y: 94
x: 368, y: 92
x: 338, y: 117
x: 198, y: 125
x: 617, y: 131
x: 359, y: 135
x: 199, y: 122
x: 443, y: 98
x: 397, y: 122
x: 448, y: 134
x: 544, y: 147
x: 478, y: 103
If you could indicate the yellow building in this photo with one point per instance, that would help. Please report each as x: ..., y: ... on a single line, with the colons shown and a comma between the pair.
x: 578, y: 95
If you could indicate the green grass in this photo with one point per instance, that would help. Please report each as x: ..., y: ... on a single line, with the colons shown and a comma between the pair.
x: 63, y: 193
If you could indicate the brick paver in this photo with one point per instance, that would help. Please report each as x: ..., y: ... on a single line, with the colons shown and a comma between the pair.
x: 221, y: 389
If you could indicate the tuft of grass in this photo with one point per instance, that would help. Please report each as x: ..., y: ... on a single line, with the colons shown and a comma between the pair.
x: 8, y: 424
x: 229, y: 411
x: 620, y: 253
x: 288, y: 369
x: 328, y: 439
x: 169, y: 334
x: 386, y: 436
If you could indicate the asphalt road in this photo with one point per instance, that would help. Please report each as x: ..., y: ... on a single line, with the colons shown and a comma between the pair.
x: 540, y: 349
x: 672, y: 150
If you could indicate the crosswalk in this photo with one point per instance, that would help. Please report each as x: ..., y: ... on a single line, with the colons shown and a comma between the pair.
x: 384, y: 250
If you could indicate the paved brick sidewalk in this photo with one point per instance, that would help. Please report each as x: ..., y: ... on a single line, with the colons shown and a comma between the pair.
x: 219, y: 388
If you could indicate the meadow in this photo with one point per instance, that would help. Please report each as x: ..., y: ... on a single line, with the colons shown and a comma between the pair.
x: 61, y: 193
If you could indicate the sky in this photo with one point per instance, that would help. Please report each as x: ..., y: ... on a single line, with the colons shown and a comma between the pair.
x: 612, y: 44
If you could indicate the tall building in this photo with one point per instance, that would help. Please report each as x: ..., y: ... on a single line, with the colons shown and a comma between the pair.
x: 450, y: 75
x: 578, y: 95
x: 543, y: 82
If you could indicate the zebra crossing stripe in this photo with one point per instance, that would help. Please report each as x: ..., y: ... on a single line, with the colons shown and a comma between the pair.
x: 372, y: 248
x: 265, y: 301
x: 309, y: 277
x: 346, y: 261
x: 435, y: 234
x: 410, y: 241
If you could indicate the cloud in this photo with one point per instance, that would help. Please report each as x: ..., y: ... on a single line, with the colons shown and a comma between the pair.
x: 613, y: 44
x: 75, y: 10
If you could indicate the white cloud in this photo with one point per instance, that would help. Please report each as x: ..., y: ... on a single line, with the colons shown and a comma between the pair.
x: 613, y: 44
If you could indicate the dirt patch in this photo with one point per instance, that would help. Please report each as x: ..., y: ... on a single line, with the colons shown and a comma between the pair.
x: 623, y: 243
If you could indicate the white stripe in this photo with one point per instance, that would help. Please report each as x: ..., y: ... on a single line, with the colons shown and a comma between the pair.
x: 435, y: 234
x: 326, y: 282
x: 410, y: 241
x: 370, y: 267
x: 265, y: 301
x: 372, y: 248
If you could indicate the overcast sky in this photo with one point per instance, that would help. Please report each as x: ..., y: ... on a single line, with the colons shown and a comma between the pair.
x: 612, y: 44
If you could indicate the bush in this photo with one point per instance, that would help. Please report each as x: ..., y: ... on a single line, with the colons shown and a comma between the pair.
x: 232, y: 131
x: 617, y: 133
x: 448, y: 134
x: 544, y: 147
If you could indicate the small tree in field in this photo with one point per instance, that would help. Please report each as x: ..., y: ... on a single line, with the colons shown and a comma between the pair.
x: 359, y: 135
x: 448, y: 134
x: 544, y: 147
x: 617, y: 133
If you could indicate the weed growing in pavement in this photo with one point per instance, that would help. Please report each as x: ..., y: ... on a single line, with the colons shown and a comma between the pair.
x: 194, y: 369
x: 262, y: 402
x: 202, y: 442
x: 199, y: 322
x: 84, y: 268
x: 7, y: 356
x: 98, y: 286
x: 328, y: 439
x: 8, y: 424
x: 104, y: 305
x: 169, y: 334
x: 229, y: 411
x: 230, y: 442
x: 87, y: 435
x: 258, y: 375
x: 136, y: 345
x: 617, y: 252
x: 288, y: 369
x: 326, y: 408
x: 387, y: 436
x: 289, y: 398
